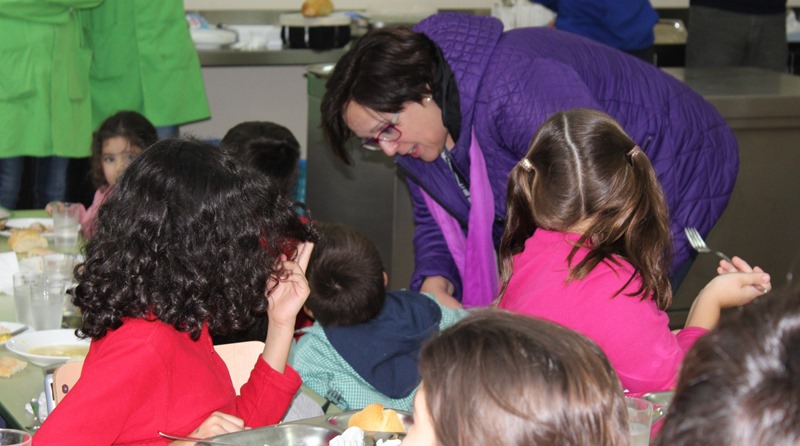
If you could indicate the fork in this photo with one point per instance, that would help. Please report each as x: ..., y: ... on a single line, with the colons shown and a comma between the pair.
x: 699, y: 245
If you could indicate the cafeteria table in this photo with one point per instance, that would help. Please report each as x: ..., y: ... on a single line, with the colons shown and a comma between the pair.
x: 29, y: 383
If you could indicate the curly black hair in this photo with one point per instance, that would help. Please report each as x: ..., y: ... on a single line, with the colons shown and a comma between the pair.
x: 189, y: 236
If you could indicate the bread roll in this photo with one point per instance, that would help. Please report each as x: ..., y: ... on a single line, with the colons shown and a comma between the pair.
x: 25, y: 240
x: 375, y: 418
x: 316, y: 8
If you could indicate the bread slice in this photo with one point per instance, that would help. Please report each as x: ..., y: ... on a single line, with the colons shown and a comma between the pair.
x: 10, y: 365
x: 375, y: 418
x: 25, y: 240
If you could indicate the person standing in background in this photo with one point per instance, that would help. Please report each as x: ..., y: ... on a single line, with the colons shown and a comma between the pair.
x: 626, y: 25
x: 724, y: 33
x: 45, y: 110
x: 145, y: 61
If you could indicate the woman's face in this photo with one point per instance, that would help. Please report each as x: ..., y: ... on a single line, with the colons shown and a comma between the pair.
x: 423, y: 134
x: 422, y: 432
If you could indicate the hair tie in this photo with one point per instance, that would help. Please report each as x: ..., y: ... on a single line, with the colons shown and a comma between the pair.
x: 634, y: 151
x: 526, y: 165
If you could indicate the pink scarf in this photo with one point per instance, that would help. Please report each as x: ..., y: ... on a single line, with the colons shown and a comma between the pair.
x: 474, y: 254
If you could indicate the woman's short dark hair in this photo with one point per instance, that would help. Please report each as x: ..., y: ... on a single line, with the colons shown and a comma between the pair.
x: 740, y: 384
x: 270, y: 148
x: 130, y: 125
x: 345, y: 275
x: 189, y: 236
x: 386, y: 68
x: 498, y: 378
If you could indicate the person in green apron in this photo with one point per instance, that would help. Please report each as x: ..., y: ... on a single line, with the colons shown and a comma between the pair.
x: 45, y: 110
x: 145, y: 61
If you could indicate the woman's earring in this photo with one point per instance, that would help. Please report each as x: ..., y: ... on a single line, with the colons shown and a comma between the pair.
x: 428, y: 98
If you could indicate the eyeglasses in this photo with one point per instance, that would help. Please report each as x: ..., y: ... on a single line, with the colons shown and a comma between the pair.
x: 390, y: 133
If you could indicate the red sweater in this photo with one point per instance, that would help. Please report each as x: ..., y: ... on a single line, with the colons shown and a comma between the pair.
x: 147, y: 377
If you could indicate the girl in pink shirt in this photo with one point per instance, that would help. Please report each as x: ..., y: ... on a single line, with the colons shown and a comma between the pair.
x: 120, y: 139
x: 587, y: 245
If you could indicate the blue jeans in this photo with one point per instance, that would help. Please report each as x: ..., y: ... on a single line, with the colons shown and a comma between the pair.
x: 49, y: 180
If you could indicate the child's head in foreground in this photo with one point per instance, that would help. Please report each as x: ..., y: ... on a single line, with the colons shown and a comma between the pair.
x: 346, y: 277
x: 740, y: 384
x: 497, y: 378
x: 190, y: 236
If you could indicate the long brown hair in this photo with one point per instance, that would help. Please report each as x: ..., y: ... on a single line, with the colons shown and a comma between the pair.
x: 498, y: 378
x: 583, y: 167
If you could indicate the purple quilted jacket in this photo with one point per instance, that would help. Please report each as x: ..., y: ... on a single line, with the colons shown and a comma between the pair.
x: 510, y: 83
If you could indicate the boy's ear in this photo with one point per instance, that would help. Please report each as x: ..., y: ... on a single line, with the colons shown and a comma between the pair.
x: 385, y: 279
x: 308, y: 311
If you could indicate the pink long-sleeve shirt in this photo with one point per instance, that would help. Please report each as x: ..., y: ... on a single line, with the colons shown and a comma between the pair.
x: 632, y: 332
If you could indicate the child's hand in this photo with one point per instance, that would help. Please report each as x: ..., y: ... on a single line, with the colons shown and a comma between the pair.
x: 739, y: 288
x: 289, y: 295
x: 740, y: 266
x: 217, y: 423
x: 53, y: 205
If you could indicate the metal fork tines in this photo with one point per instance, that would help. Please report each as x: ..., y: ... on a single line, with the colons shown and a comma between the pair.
x: 699, y: 245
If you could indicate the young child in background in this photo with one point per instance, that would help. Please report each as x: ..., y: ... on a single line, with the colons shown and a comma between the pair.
x: 497, y: 378
x: 190, y: 241
x: 274, y: 151
x: 270, y: 148
x: 364, y: 345
x: 118, y: 140
x: 739, y: 384
x: 587, y: 245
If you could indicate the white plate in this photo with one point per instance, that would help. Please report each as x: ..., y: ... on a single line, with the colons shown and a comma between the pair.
x: 24, y: 223
x: 10, y: 326
x: 23, y: 343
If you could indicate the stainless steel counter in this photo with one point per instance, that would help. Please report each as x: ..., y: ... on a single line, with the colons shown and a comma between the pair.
x: 760, y: 223
x: 228, y: 58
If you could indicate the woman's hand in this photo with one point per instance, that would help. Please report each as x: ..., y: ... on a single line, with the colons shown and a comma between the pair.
x: 442, y: 289
x: 53, y: 205
x: 217, y: 423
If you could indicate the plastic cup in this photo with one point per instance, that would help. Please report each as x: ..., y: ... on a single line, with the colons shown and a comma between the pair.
x: 22, y: 295
x: 47, y: 304
x: 640, y: 416
x: 13, y: 437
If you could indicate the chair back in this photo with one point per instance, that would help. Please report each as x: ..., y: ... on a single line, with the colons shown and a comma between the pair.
x: 64, y: 378
x: 240, y: 358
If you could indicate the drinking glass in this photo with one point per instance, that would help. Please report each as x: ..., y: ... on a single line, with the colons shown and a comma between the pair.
x: 22, y: 295
x: 13, y: 437
x: 640, y: 416
x: 66, y: 225
x: 47, y: 303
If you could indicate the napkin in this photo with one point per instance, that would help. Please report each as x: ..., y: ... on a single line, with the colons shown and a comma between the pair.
x: 8, y: 267
x: 353, y: 436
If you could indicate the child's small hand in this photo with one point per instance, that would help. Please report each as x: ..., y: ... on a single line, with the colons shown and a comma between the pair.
x: 734, y: 289
x: 291, y: 291
x: 740, y: 266
x: 53, y: 205
x: 217, y: 423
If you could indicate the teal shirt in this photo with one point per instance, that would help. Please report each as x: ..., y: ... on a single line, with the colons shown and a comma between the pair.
x: 324, y: 371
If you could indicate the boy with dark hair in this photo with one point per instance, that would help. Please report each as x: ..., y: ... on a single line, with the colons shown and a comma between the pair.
x: 365, y: 343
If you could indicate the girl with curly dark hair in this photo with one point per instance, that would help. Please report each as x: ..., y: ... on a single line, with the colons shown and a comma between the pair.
x: 189, y: 242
